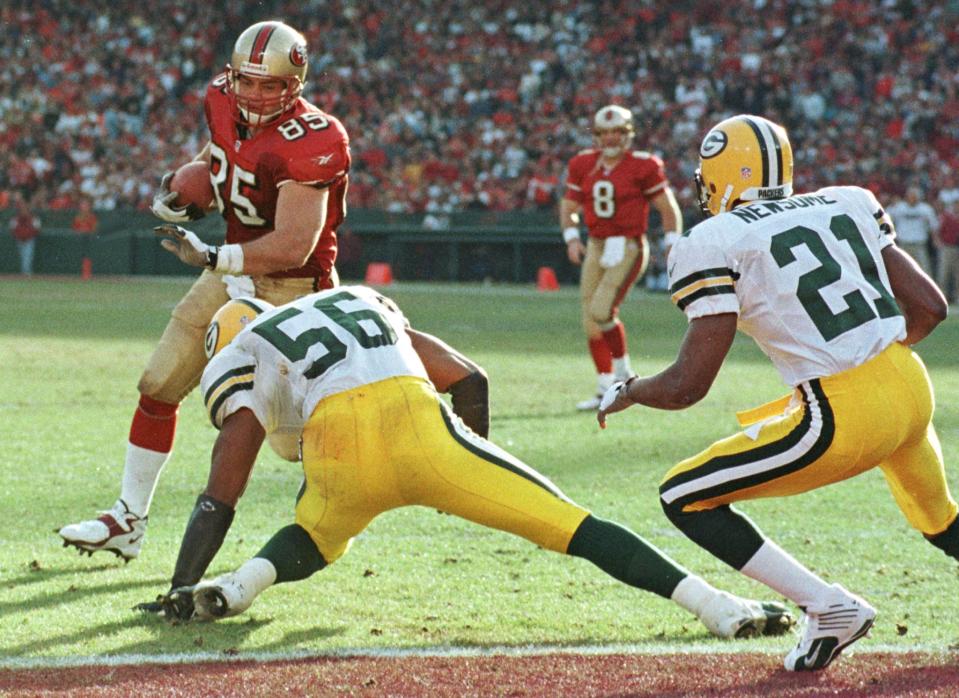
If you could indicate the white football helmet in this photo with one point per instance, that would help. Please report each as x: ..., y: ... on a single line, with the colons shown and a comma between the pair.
x: 613, y: 130
x: 267, y: 50
x: 229, y: 320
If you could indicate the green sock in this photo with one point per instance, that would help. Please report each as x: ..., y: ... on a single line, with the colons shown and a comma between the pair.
x: 622, y: 554
x: 293, y: 554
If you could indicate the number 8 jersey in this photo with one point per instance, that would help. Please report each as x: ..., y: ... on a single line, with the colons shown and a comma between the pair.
x: 805, y: 275
x: 289, y: 359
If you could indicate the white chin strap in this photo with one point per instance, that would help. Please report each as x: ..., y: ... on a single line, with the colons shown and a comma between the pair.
x: 613, y: 152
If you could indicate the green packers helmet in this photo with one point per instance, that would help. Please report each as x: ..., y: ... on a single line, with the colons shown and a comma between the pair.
x: 743, y: 158
x: 229, y: 320
x: 267, y: 50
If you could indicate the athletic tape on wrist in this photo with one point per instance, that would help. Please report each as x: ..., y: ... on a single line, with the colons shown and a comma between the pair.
x: 571, y: 233
x: 229, y: 259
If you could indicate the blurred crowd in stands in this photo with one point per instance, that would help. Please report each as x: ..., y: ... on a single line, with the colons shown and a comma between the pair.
x: 455, y: 105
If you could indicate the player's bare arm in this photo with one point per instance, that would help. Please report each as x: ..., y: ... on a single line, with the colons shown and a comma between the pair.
x: 919, y: 298
x: 669, y: 213
x: 300, y: 215
x: 234, y: 455
x: 453, y: 373
x: 689, y: 378
x: 569, y: 218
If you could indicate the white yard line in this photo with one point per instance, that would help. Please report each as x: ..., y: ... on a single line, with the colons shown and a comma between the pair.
x: 430, y: 652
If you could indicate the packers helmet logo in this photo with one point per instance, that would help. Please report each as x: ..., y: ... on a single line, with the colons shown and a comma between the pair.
x: 713, y: 144
x: 298, y: 55
x: 212, y: 335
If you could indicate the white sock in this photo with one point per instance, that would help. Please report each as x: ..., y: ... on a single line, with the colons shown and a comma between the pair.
x: 621, y: 368
x: 694, y: 593
x: 141, y: 470
x: 256, y: 574
x: 780, y: 571
x: 603, y: 381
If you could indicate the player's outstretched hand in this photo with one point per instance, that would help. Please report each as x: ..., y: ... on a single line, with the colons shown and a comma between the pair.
x: 184, y: 244
x: 615, y: 399
x: 175, y: 606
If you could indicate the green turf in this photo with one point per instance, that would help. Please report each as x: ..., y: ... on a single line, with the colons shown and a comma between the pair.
x: 70, y: 356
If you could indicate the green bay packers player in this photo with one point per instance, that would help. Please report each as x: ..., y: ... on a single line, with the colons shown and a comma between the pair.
x: 611, y: 188
x: 818, y: 282
x: 343, y: 371
x: 279, y: 168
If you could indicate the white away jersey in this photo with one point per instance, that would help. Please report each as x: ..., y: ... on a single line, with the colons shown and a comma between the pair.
x: 288, y: 359
x: 804, y: 274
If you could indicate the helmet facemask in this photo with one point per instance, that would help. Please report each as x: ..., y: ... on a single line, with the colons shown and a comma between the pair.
x: 257, y: 111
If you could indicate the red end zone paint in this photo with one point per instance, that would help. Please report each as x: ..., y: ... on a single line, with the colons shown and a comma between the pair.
x: 730, y: 675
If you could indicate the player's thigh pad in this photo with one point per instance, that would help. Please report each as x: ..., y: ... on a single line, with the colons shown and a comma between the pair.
x: 177, y: 362
x: 845, y: 425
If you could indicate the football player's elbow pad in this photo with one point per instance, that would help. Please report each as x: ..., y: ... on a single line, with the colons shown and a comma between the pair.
x: 471, y: 401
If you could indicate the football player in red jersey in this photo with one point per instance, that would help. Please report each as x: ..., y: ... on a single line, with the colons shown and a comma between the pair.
x: 279, y: 168
x: 610, y: 188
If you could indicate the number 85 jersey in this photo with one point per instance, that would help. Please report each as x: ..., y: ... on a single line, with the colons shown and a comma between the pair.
x: 290, y: 358
x: 805, y: 275
x: 303, y: 145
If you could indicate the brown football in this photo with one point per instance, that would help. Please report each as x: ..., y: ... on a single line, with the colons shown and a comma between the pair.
x: 192, y: 184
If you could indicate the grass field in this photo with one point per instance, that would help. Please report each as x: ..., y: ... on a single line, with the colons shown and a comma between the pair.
x: 70, y: 356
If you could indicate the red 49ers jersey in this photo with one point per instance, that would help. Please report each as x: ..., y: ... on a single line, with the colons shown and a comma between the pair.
x: 616, y: 201
x: 303, y: 145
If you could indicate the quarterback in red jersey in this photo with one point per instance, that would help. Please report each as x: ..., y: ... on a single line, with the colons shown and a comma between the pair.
x: 279, y: 168
x: 610, y: 188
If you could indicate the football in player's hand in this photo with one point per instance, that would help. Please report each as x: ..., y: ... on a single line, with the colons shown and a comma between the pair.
x: 192, y: 184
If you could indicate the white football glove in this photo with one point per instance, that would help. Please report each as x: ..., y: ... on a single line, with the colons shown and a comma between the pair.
x: 185, y: 245
x: 612, y: 392
x: 163, y: 208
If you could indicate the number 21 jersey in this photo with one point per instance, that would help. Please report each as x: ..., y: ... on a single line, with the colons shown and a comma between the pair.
x: 805, y: 275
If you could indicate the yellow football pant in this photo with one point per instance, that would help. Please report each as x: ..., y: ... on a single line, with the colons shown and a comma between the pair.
x: 877, y: 414
x: 394, y: 443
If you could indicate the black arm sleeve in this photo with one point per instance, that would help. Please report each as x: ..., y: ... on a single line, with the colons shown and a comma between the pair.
x: 471, y: 401
x: 203, y: 537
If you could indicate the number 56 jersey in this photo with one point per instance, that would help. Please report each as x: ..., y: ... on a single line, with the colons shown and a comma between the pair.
x: 805, y: 275
x: 288, y: 359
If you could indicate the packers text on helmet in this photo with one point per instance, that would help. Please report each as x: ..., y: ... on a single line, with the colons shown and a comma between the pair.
x: 743, y: 158
x: 229, y: 320
x: 265, y: 52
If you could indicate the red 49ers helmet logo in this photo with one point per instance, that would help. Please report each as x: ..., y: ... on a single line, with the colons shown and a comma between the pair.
x: 298, y: 55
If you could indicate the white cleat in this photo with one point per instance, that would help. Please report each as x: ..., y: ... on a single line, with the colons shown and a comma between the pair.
x: 222, y: 597
x: 730, y: 616
x: 590, y: 405
x: 828, y: 629
x: 118, y: 531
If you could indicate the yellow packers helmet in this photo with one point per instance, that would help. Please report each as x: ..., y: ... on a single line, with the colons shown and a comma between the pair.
x: 613, y: 119
x: 743, y: 158
x: 229, y: 320
x: 267, y: 50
